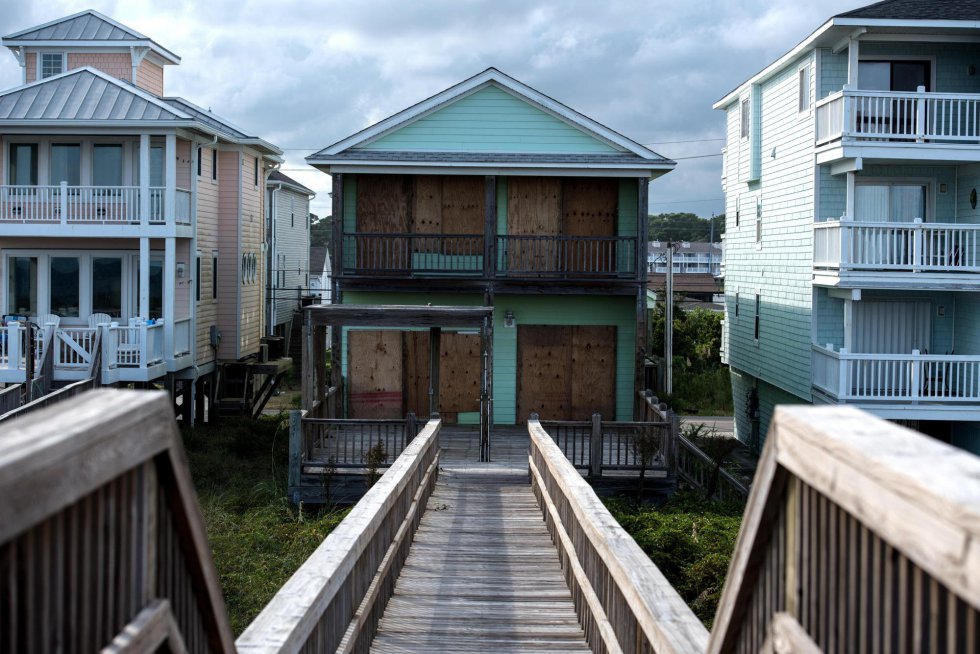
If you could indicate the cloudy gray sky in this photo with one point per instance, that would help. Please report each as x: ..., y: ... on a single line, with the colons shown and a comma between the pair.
x: 303, y: 74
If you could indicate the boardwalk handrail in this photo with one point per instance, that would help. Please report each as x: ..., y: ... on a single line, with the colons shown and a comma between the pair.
x: 338, y: 595
x: 696, y: 468
x: 597, y: 445
x: 101, y: 525
x: 623, y: 601
x: 863, y: 533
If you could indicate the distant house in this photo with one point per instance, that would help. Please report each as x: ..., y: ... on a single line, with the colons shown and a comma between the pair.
x: 852, y: 226
x: 320, y: 284
x: 690, y: 258
x: 126, y: 210
x: 287, y: 250
x: 491, y: 193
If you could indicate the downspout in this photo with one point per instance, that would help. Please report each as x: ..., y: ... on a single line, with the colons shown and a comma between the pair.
x: 273, y: 275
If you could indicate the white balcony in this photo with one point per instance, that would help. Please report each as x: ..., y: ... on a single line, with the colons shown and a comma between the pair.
x: 130, y: 353
x: 892, y: 385
x: 932, y: 255
x: 916, y: 125
x: 89, y: 210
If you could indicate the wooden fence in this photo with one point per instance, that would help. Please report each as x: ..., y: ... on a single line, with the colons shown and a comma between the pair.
x: 336, y: 598
x: 595, y: 446
x: 10, y: 398
x: 101, y: 541
x: 623, y: 601
x: 346, y: 443
x: 859, y: 536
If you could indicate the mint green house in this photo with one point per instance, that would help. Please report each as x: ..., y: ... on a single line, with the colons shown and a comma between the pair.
x: 492, y: 194
x: 853, y: 232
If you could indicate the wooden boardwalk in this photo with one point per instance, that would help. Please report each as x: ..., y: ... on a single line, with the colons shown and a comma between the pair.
x: 482, y: 573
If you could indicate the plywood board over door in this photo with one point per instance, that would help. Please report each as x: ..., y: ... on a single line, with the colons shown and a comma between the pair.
x: 383, y: 207
x: 590, y: 208
x: 463, y: 199
x: 375, y: 373
x: 533, y: 209
x: 566, y: 372
x: 459, y: 374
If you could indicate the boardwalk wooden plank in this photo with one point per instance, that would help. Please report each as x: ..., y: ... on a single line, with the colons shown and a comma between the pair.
x: 482, y: 574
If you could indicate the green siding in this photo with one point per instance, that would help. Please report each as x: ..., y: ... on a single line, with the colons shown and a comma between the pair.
x: 628, y: 197
x: 490, y: 120
x: 532, y: 310
x: 350, y: 204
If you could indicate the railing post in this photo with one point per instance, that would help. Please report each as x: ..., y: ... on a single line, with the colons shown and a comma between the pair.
x: 13, y: 346
x: 143, y: 354
x: 295, y: 454
x: 920, y: 114
x: 595, y: 447
x: 845, y: 236
x: 915, y: 376
x: 917, y: 250
x: 671, y: 449
x: 411, y: 429
x: 847, y: 113
x: 63, y: 202
x: 842, y: 375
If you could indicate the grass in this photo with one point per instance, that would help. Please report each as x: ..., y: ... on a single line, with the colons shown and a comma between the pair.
x: 690, y: 539
x: 258, y: 538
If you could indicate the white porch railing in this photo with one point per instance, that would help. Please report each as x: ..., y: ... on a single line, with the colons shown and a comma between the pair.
x: 102, y: 205
x: 883, y: 115
x: 182, y: 337
x: 912, y: 377
x: 13, y: 350
x: 138, y: 345
x: 903, y: 247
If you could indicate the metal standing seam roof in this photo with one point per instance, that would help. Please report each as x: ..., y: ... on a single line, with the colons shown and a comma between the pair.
x: 918, y: 10
x: 81, y: 94
x: 206, y: 117
x: 87, y: 26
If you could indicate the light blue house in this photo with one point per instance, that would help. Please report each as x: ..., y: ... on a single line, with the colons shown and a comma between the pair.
x: 852, y: 256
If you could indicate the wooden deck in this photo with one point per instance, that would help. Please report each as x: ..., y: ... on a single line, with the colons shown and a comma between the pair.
x: 482, y: 573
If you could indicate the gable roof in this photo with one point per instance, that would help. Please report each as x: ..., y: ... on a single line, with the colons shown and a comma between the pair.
x: 276, y: 177
x: 355, y: 147
x: 918, y: 10
x: 86, y: 26
x: 205, y: 116
x: 83, y: 94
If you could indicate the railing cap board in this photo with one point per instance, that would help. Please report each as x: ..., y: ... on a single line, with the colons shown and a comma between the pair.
x: 661, y: 613
x: 288, y: 619
x: 916, y: 493
x: 51, y: 458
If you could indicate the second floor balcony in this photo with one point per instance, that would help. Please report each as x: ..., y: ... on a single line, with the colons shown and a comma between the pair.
x: 91, y: 205
x: 896, y: 124
x: 917, y: 252
x: 517, y: 257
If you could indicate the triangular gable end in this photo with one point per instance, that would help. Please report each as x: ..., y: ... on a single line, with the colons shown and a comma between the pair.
x: 490, y: 118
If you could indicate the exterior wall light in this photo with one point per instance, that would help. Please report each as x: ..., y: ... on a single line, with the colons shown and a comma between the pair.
x: 509, y: 318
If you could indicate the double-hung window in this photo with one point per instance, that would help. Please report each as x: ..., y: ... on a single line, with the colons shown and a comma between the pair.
x: 744, y: 118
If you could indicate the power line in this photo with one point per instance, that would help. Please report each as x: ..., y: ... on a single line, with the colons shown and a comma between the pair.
x: 687, y: 141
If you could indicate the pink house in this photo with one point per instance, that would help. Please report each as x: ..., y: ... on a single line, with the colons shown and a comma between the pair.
x: 127, y: 217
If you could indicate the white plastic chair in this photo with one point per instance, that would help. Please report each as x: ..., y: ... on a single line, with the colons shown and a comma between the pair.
x: 97, y: 319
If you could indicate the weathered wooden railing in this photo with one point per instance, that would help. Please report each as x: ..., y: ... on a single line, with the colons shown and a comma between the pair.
x: 10, y: 398
x: 559, y: 255
x: 382, y: 254
x: 700, y: 471
x: 101, y: 541
x: 336, y: 598
x: 623, y: 601
x: 595, y: 446
x: 63, y: 393
x: 346, y: 443
x: 862, y: 535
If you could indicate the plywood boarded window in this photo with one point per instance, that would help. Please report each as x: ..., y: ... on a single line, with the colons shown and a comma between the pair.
x: 382, y: 207
x: 590, y: 208
x: 566, y: 372
x: 460, y: 372
x: 374, y: 371
x: 533, y: 212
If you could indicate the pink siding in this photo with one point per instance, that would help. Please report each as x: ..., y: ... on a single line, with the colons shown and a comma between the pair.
x: 229, y: 264
x: 251, y: 313
x: 31, y: 62
x: 183, y: 164
x: 149, y: 77
x: 207, y: 241
x: 117, y: 64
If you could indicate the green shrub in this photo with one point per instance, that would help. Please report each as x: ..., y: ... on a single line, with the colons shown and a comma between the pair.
x: 690, y: 540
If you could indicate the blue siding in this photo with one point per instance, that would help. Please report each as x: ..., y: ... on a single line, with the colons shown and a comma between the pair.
x: 944, y: 203
x: 833, y: 72
x: 968, y: 178
x: 490, y: 120
x: 952, y: 61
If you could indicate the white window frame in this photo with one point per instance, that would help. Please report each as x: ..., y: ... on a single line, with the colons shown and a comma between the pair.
x: 745, y: 118
x: 40, y: 64
x: 804, y: 91
x: 758, y: 221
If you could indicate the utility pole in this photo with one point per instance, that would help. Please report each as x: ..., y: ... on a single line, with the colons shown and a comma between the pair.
x: 669, y: 323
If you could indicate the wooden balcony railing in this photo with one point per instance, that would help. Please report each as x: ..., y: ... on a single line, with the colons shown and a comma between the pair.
x: 566, y: 256
x: 465, y: 254
x: 896, y: 247
x: 904, y: 116
x: 933, y: 378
